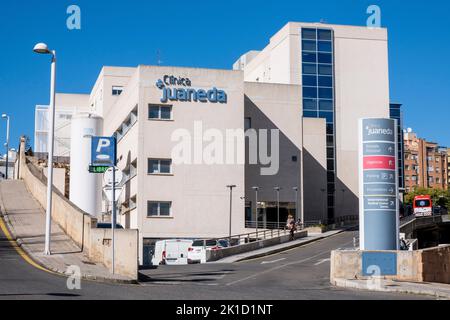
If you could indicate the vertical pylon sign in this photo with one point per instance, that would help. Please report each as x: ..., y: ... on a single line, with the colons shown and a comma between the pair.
x: 378, y: 184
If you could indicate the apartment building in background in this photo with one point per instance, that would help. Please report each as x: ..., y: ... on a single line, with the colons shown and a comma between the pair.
x: 426, y: 163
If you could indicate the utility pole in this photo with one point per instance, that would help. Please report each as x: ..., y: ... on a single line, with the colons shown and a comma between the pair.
x: 277, y: 189
x: 231, y: 187
x: 256, y: 209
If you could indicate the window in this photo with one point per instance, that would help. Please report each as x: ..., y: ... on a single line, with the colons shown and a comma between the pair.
x: 309, y: 68
x: 325, y: 46
x: 326, y: 93
x: 326, y: 105
x: 325, y: 58
x: 325, y: 69
x: 160, y: 112
x: 309, y: 34
x: 159, y: 166
x: 247, y: 123
x: 325, y: 81
x: 310, y: 92
x: 310, y: 104
x: 117, y: 91
x: 310, y: 81
x: 309, y: 57
x: 310, y: 114
x: 308, y: 45
x: 324, y: 34
x: 159, y: 209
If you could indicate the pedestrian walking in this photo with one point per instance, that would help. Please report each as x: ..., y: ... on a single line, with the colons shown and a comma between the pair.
x: 290, y: 225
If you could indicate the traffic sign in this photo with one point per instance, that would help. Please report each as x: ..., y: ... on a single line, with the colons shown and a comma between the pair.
x: 103, y: 151
x: 98, y: 169
x: 108, y: 191
x: 108, y: 177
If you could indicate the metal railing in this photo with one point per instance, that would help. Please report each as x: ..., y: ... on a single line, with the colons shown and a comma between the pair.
x: 263, y: 232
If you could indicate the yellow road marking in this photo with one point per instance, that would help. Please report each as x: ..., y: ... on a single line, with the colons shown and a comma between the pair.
x: 19, y: 250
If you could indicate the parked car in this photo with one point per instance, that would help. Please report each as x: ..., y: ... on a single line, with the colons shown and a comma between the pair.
x: 197, y: 252
x: 171, y: 252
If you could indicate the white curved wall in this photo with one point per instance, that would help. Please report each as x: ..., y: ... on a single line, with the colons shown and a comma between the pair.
x: 85, y: 187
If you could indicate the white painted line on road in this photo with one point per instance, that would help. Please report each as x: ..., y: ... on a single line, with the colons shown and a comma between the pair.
x: 283, y: 265
x: 278, y: 267
x: 322, y: 261
x: 275, y: 261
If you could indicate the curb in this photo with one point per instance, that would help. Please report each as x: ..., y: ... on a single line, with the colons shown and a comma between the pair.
x: 351, y: 284
x: 52, y: 270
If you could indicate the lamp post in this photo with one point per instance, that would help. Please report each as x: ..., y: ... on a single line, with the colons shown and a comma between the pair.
x: 256, y: 209
x: 277, y: 190
x: 231, y: 187
x: 42, y: 48
x: 296, y: 205
x: 325, y: 203
x: 5, y: 116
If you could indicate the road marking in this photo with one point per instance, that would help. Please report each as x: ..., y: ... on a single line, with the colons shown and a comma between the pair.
x: 270, y: 262
x: 322, y: 261
x: 278, y: 267
x: 19, y: 250
x: 283, y: 265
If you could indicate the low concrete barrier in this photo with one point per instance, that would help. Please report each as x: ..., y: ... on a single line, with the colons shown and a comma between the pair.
x: 81, y: 227
x: 430, y: 265
x: 215, y: 255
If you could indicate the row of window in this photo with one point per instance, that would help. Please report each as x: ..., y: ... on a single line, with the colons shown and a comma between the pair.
x: 317, y: 57
x: 318, y: 81
x: 317, y: 34
x: 317, y: 46
x: 317, y: 92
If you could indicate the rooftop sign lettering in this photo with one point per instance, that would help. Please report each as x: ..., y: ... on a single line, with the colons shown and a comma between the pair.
x: 186, y: 93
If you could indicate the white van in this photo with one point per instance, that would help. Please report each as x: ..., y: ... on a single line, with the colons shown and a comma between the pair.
x: 171, y: 252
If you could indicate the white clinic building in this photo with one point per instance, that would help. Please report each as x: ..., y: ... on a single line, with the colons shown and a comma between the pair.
x: 312, y: 83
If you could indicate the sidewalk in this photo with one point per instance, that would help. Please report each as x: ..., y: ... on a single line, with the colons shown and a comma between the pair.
x: 25, y: 220
x: 278, y: 248
x: 438, y: 290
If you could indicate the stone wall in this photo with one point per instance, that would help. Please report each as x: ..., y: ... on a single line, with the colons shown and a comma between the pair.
x: 431, y: 265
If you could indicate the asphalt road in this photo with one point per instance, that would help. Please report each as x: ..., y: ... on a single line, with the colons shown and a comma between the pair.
x: 301, y: 273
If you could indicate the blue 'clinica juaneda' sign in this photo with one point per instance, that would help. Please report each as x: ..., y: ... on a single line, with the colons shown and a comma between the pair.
x: 185, y: 92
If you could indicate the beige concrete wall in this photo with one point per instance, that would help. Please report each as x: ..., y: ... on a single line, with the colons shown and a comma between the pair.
x: 430, y: 265
x: 59, y: 179
x: 126, y: 250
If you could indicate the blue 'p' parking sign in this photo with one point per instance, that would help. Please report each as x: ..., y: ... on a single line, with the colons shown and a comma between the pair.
x: 103, y: 152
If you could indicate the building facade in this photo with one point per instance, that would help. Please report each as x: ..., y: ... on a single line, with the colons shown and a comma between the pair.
x: 66, y: 105
x: 342, y: 73
x: 282, y: 126
x: 426, y: 164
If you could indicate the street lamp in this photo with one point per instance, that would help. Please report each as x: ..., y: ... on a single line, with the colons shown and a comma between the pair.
x: 42, y: 48
x: 296, y: 204
x: 277, y: 190
x: 231, y: 187
x: 256, y: 209
x: 5, y: 116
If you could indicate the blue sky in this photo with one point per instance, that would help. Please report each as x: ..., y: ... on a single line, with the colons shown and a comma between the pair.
x: 211, y: 34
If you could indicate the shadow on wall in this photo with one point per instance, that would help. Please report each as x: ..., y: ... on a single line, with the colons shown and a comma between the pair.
x: 289, y: 176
